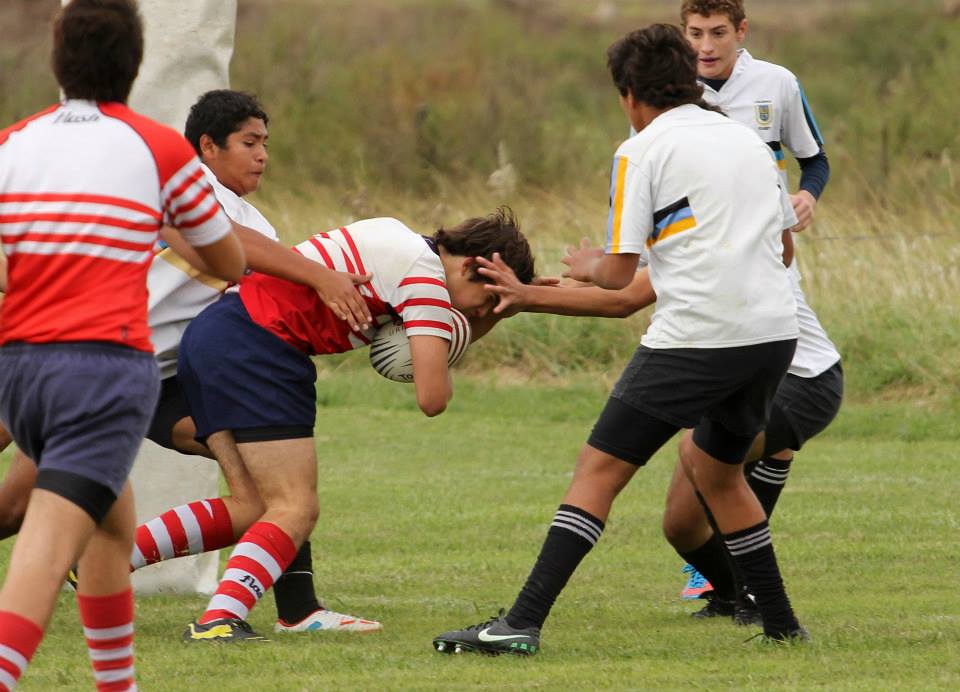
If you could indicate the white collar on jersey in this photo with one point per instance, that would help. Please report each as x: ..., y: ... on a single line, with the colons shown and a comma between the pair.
x: 743, y: 62
x: 79, y: 103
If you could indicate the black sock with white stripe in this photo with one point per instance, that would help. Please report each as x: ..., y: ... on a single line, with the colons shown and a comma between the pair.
x: 711, y: 560
x: 752, y: 551
x: 570, y: 537
x: 766, y: 478
x: 294, y: 590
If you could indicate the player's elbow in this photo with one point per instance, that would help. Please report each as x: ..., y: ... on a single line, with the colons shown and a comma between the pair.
x: 228, y: 269
x: 432, y: 405
x: 624, y: 308
x: 224, y: 259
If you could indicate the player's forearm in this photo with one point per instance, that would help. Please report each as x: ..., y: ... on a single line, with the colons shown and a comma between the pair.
x: 431, y: 376
x: 589, y: 301
x: 615, y: 271
x: 270, y: 257
x: 814, y: 174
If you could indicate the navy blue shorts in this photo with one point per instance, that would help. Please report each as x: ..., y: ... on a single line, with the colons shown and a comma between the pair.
x: 238, y: 376
x: 80, y: 411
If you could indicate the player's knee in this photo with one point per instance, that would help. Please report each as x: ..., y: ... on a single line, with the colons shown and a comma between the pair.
x: 250, y: 502
x: 602, y: 470
x: 672, y: 530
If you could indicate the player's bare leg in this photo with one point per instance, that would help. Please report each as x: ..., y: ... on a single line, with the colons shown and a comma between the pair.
x: 597, y: 480
x: 743, y: 524
x: 687, y: 528
x: 104, y: 596
x: 577, y: 525
x: 685, y: 524
x: 244, y: 502
x: 54, y: 533
x: 183, y: 434
x: 285, y: 474
x: 15, y: 493
x: 103, y: 565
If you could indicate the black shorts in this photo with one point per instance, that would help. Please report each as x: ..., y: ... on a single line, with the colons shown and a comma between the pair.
x: 724, y: 394
x: 802, y: 408
x: 171, y: 407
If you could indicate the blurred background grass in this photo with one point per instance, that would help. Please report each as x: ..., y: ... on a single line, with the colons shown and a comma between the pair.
x: 433, y: 110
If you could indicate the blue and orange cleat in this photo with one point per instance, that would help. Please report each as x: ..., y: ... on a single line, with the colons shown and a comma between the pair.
x: 697, y: 585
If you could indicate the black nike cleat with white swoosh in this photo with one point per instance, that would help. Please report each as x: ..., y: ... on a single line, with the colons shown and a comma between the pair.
x: 494, y: 636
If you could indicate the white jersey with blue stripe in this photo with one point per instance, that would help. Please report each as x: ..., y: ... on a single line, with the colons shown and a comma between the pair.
x: 768, y: 99
x: 700, y: 194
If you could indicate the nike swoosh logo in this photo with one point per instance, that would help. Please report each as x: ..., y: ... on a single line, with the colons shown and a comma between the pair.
x: 485, y: 636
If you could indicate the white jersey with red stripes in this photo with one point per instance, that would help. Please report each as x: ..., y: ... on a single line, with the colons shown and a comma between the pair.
x: 84, y: 189
x: 408, y: 284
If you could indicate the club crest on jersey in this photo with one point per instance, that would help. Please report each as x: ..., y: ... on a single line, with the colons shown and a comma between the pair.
x: 764, y: 113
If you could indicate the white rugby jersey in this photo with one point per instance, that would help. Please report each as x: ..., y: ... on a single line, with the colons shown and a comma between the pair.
x: 84, y: 189
x: 701, y: 193
x: 815, y: 352
x: 178, y: 292
x: 408, y: 284
x: 768, y: 99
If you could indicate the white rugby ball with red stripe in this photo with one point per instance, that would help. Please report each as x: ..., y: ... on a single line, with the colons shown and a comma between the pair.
x: 390, y: 348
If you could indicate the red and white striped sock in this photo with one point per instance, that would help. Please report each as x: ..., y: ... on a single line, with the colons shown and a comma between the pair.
x: 185, y: 530
x: 19, y: 639
x: 108, y: 627
x: 261, y: 555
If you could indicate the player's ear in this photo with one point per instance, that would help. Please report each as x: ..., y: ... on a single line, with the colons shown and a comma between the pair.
x: 208, y: 148
x: 468, y: 267
x: 742, y: 30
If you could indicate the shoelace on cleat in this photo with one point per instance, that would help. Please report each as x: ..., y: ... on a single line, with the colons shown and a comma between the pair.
x: 696, y: 580
x: 241, y: 624
x: 486, y: 623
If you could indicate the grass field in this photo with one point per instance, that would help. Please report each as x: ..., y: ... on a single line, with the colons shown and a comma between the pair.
x: 427, y: 525
x: 433, y: 524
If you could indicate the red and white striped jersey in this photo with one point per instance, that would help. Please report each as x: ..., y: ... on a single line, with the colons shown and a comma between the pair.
x: 84, y: 189
x: 408, y: 284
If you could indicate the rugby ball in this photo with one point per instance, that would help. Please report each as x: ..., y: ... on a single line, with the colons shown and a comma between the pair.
x: 390, y: 348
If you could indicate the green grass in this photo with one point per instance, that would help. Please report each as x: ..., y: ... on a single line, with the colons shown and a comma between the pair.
x: 433, y: 524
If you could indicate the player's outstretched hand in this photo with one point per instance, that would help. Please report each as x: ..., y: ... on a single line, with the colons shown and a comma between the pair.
x: 338, y: 291
x: 508, y: 288
x: 804, y: 206
x: 582, y: 261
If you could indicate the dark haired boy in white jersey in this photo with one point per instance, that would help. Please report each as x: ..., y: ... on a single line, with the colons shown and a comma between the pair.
x: 716, y: 348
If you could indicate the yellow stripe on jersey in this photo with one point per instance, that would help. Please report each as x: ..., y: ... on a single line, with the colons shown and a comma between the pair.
x: 173, y: 259
x: 616, y: 210
x: 677, y: 227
